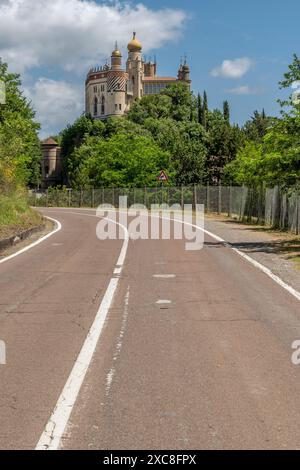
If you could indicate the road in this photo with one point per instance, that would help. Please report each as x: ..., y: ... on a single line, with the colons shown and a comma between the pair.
x: 194, y: 353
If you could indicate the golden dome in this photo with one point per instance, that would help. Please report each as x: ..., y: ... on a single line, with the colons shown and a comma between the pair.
x: 116, y: 53
x: 134, y: 45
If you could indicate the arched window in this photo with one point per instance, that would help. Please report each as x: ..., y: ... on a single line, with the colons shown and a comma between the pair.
x: 95, y: 106
x: 102, y: 105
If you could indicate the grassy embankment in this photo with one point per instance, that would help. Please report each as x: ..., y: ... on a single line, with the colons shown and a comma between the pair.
x: 16, y: 216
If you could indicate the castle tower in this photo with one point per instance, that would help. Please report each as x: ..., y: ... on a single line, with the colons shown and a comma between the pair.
x: 116, y: 86
x: 51, y: 163
x: 184, y: 73
x: 116, y: 59
x: 135, y: 67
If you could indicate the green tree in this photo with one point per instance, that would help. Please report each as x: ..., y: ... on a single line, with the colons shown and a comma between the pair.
x: 155, y: 106
x: 200, y: 109
x: 272, y: 154
x: 223, y: 143
x: 120, y: 161
x: 20, y: 151
x: 72, y: 138
x: 205, y: 110
x: 256, y: 128
x: 226, y: 111
x: 291, y: 77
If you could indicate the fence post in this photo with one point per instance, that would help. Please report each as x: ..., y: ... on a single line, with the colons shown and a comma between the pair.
x: 220, y: 199
x: 207, y: 198
x: 297, y: 213
x: 69, y: 197
x: 93, y: 198
x: 182, y: 198
x: 229, y: 202
x: 47, y: 197
x: 195, y: 196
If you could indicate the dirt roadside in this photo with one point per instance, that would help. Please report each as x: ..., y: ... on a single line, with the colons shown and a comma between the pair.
x: 34, y: 234
x: 277, y: 250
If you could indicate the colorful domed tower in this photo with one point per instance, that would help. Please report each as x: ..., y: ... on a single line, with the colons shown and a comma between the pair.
x: 135, y: 67
x: 116, y: 85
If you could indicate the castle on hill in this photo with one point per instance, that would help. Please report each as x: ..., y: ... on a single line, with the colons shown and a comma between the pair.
x: 111, y: 90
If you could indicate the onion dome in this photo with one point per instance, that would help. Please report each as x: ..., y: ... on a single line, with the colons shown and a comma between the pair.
x: 134, y: 45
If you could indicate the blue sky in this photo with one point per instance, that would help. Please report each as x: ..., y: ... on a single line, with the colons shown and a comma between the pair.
x: 237, y: 50
x: 265, y: 31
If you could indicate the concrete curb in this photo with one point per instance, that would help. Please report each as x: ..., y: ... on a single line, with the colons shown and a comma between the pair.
x: 15, y: 239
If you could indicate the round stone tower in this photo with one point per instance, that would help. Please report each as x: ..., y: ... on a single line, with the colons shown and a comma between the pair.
x: 116, y: 85
x: 51, y: 163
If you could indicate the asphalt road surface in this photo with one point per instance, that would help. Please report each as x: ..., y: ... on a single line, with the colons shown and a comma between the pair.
x: 177, y: 349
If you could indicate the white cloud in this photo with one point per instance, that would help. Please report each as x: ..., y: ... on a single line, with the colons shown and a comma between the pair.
x: 57, y: 103
x: 235, y: 68
x: 74, y: 34
x: 244, y: 90
x: 69, y: 36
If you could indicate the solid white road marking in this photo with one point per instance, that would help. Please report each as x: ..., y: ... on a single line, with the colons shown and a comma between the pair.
x: 118, y: 271
x: 55, y: 428
x: 32, y: 245
x: 250, y: 260
x: 164, y: 276
x: 111, y: 374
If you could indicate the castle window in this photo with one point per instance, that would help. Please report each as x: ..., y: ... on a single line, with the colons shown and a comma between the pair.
x: 102, y: 105
x: 95, y: 106
x: 120, y: 107
x: 116, y: 107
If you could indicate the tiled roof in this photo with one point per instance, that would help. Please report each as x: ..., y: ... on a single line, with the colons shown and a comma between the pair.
x: 49, y: 142
x: 159, y: 79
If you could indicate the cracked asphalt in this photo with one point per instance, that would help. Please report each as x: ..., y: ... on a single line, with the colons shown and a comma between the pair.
x: 195, y: 352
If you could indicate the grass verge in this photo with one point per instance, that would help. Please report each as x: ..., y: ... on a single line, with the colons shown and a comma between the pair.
x: 16, y: 216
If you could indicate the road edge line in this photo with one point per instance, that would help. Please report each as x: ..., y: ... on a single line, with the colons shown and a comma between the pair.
x: 54, y: 430
x: 37, y: 242
x: 255, y: 263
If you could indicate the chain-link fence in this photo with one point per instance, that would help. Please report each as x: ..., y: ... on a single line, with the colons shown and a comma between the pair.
x: 273, y: 207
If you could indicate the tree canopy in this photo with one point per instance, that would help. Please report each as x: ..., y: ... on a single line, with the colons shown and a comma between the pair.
x: 271, y: 154
x: 174, y: 124
x: 20, y: 152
